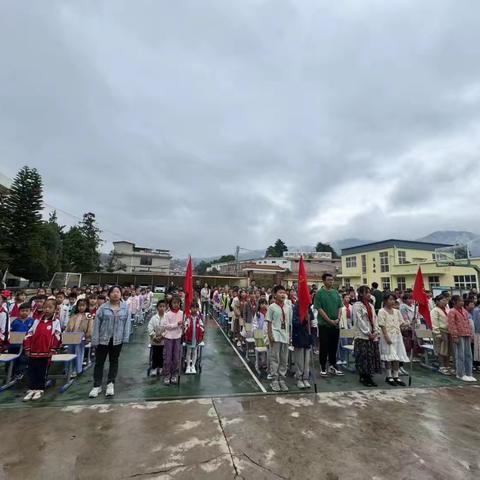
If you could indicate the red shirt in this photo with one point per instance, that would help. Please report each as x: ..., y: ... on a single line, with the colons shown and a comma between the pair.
x: 43, y: 339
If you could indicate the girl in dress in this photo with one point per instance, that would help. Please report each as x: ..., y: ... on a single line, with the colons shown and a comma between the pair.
x: 367, y: 355
x: 392, y: 349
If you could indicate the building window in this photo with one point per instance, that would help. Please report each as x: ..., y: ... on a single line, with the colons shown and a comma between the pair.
x: 364, y: 281
x: 385, y: 283
x: 351, y: 262
x: 401, y: 284
x: 346, y: 282
x: 384, y: 262
x: 402, y: 257
x: 434, y: 257
x: 465, y: 282
x: 364, y: 264
x: 434, y: 281
x: 145, y: 260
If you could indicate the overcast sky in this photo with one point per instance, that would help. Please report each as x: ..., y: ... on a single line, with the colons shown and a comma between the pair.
x: 200, y: 125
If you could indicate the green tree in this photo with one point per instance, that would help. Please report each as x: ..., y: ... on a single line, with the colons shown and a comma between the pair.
x: 325, y: 247
x: 201, y: 268
x: 75, y: 251
x: 4, y: 240
x: 277, y: 249
x: 91, y: 232
x: 225, y: 258
x: 22, y: 225
x: 52, y: 241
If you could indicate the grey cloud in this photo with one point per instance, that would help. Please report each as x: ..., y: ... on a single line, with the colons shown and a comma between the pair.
x: 198, y: 126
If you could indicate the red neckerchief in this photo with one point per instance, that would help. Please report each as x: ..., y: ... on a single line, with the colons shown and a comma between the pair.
x: 253, y: 305
x: 283, y: 326
x: 175, y: 310
x: 368, y: 306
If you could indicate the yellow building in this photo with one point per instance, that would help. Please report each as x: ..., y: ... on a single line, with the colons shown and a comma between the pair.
x: 394, y: 263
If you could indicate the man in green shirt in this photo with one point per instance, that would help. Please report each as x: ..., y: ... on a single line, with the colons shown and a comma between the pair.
x: 328, y: 303
x: 378, y: 297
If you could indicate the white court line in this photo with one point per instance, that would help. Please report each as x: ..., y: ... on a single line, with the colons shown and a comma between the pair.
x: 262, y: 388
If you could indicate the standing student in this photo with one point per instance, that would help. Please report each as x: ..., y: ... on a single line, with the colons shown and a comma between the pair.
x: 392, y: 349
x: 173, y: 322
x: 442, y: 342
x: 156, y: 332
x: 378, y: 296
x: 302, y: 343
x: 476, y: 336
x: 20, y: 298
x: 81, y: 321
x: 250, y: 307
x: 111, y: 329
x: 367, y: 355
x: 37, y: 310
x: 4, y: 325
x: 40, y: 343
x: 205, y: 299
x: 328, y: 304
x: 193, y: 334
x: 461, y: 332
x: 345, y: 324
x: 279, y: 319
x: 62, y: 310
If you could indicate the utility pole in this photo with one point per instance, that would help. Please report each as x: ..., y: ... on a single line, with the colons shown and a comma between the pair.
x: 237, y: 261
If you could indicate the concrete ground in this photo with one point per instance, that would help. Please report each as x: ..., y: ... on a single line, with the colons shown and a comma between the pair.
x: 222, y: 424
x: 399, y: 434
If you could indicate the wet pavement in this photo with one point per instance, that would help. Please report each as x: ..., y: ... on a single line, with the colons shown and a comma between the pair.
x: 384, y: 434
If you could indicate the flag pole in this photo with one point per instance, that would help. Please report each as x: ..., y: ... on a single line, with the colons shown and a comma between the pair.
x: 414, y: 321
x: 312, y: 363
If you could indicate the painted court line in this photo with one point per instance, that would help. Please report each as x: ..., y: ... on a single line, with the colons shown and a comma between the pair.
x: 257, y: 381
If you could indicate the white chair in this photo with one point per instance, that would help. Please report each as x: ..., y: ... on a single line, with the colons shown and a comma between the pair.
x: 249, y: 339
x: 15, y: 339
x: 260, y: 348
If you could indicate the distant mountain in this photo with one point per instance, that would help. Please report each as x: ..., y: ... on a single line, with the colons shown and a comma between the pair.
x: 338, y: 245
x: 450, y: 237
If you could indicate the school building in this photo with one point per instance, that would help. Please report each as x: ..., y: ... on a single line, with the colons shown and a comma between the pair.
x: 394, y: 264
x: 139, y: 259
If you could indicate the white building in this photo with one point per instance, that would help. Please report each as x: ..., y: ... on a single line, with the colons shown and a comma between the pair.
x: 139, y: 259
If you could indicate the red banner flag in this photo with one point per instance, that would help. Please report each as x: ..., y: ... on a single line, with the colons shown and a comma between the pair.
x: 304, y: 299
x: 419, y: 295
x: 188, y: 287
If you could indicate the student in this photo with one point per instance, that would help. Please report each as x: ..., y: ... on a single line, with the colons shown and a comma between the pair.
x: 62, y: 310
x: 250, y: 307
x: 156, y: 332
x: 470, y: 307
x: 40, y: 343
x: 461, y: 332
x: 378, y: 297
x: 193, y: 333
x: 4, y: 324
x: 279, y: 319
x: 328, y: 304
x: 367, y: 355
x: 111, y: 329
x: 392, y: 349
x: 72, y: 300
x: 92, y: 305
x: 101, y: 299
x: 236, y: 317
x: 20, y: 298
x: 205, y: 298
x: 37, y: 310
x: 476, y: 336
x: 172, y: 322
x: 302, y: 343
x: 442, y: 342
x: 80, y: 321
x: 22, y: 324
x: 344, y: 324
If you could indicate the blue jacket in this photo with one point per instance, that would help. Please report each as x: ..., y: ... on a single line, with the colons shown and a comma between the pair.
x: 111, y: 325
x: 300, y: 336
x: 476, y: 320
x: 21, y: 326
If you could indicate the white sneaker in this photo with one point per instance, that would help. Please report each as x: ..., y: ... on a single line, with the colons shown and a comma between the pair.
x: 110, y: 392
x: 300, y: 384
x: 94, y: 392
x: 334, y: 371
x: 323, y: 373
x: 239, y: 343
x: 29, y: 395
x: 307, y: 384
x: 471, y: 379
x: 154, y: 373
x: 270, y: 376
x: 193, y: 369
x: 37, y: 395
x: 188, y: 370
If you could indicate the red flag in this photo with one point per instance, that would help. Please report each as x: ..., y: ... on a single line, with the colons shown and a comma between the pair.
x: 188, y: 287
x: 304, y: 299
x: 421, y: 298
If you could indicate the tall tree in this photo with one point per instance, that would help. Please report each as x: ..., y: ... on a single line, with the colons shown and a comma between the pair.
x: 325, y: 247
x: 22, y: 224
x: 91, y: 232
x: 277, y: 249
x: 52, y: 241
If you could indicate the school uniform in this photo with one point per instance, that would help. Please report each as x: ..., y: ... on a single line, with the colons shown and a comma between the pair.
x: 194, y: 334
x: 4, y: 328
x: 460, y: 329
x: 173, y: 334
x: 40, y: 343
x: 301, y: 341
x: 81, y: 322
x: 280, y: 317
x: 156, y: 333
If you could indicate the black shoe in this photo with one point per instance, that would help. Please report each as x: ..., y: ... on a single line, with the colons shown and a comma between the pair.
x: 399, y: 382
x: 391, y: 381
x: 371, y: 383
